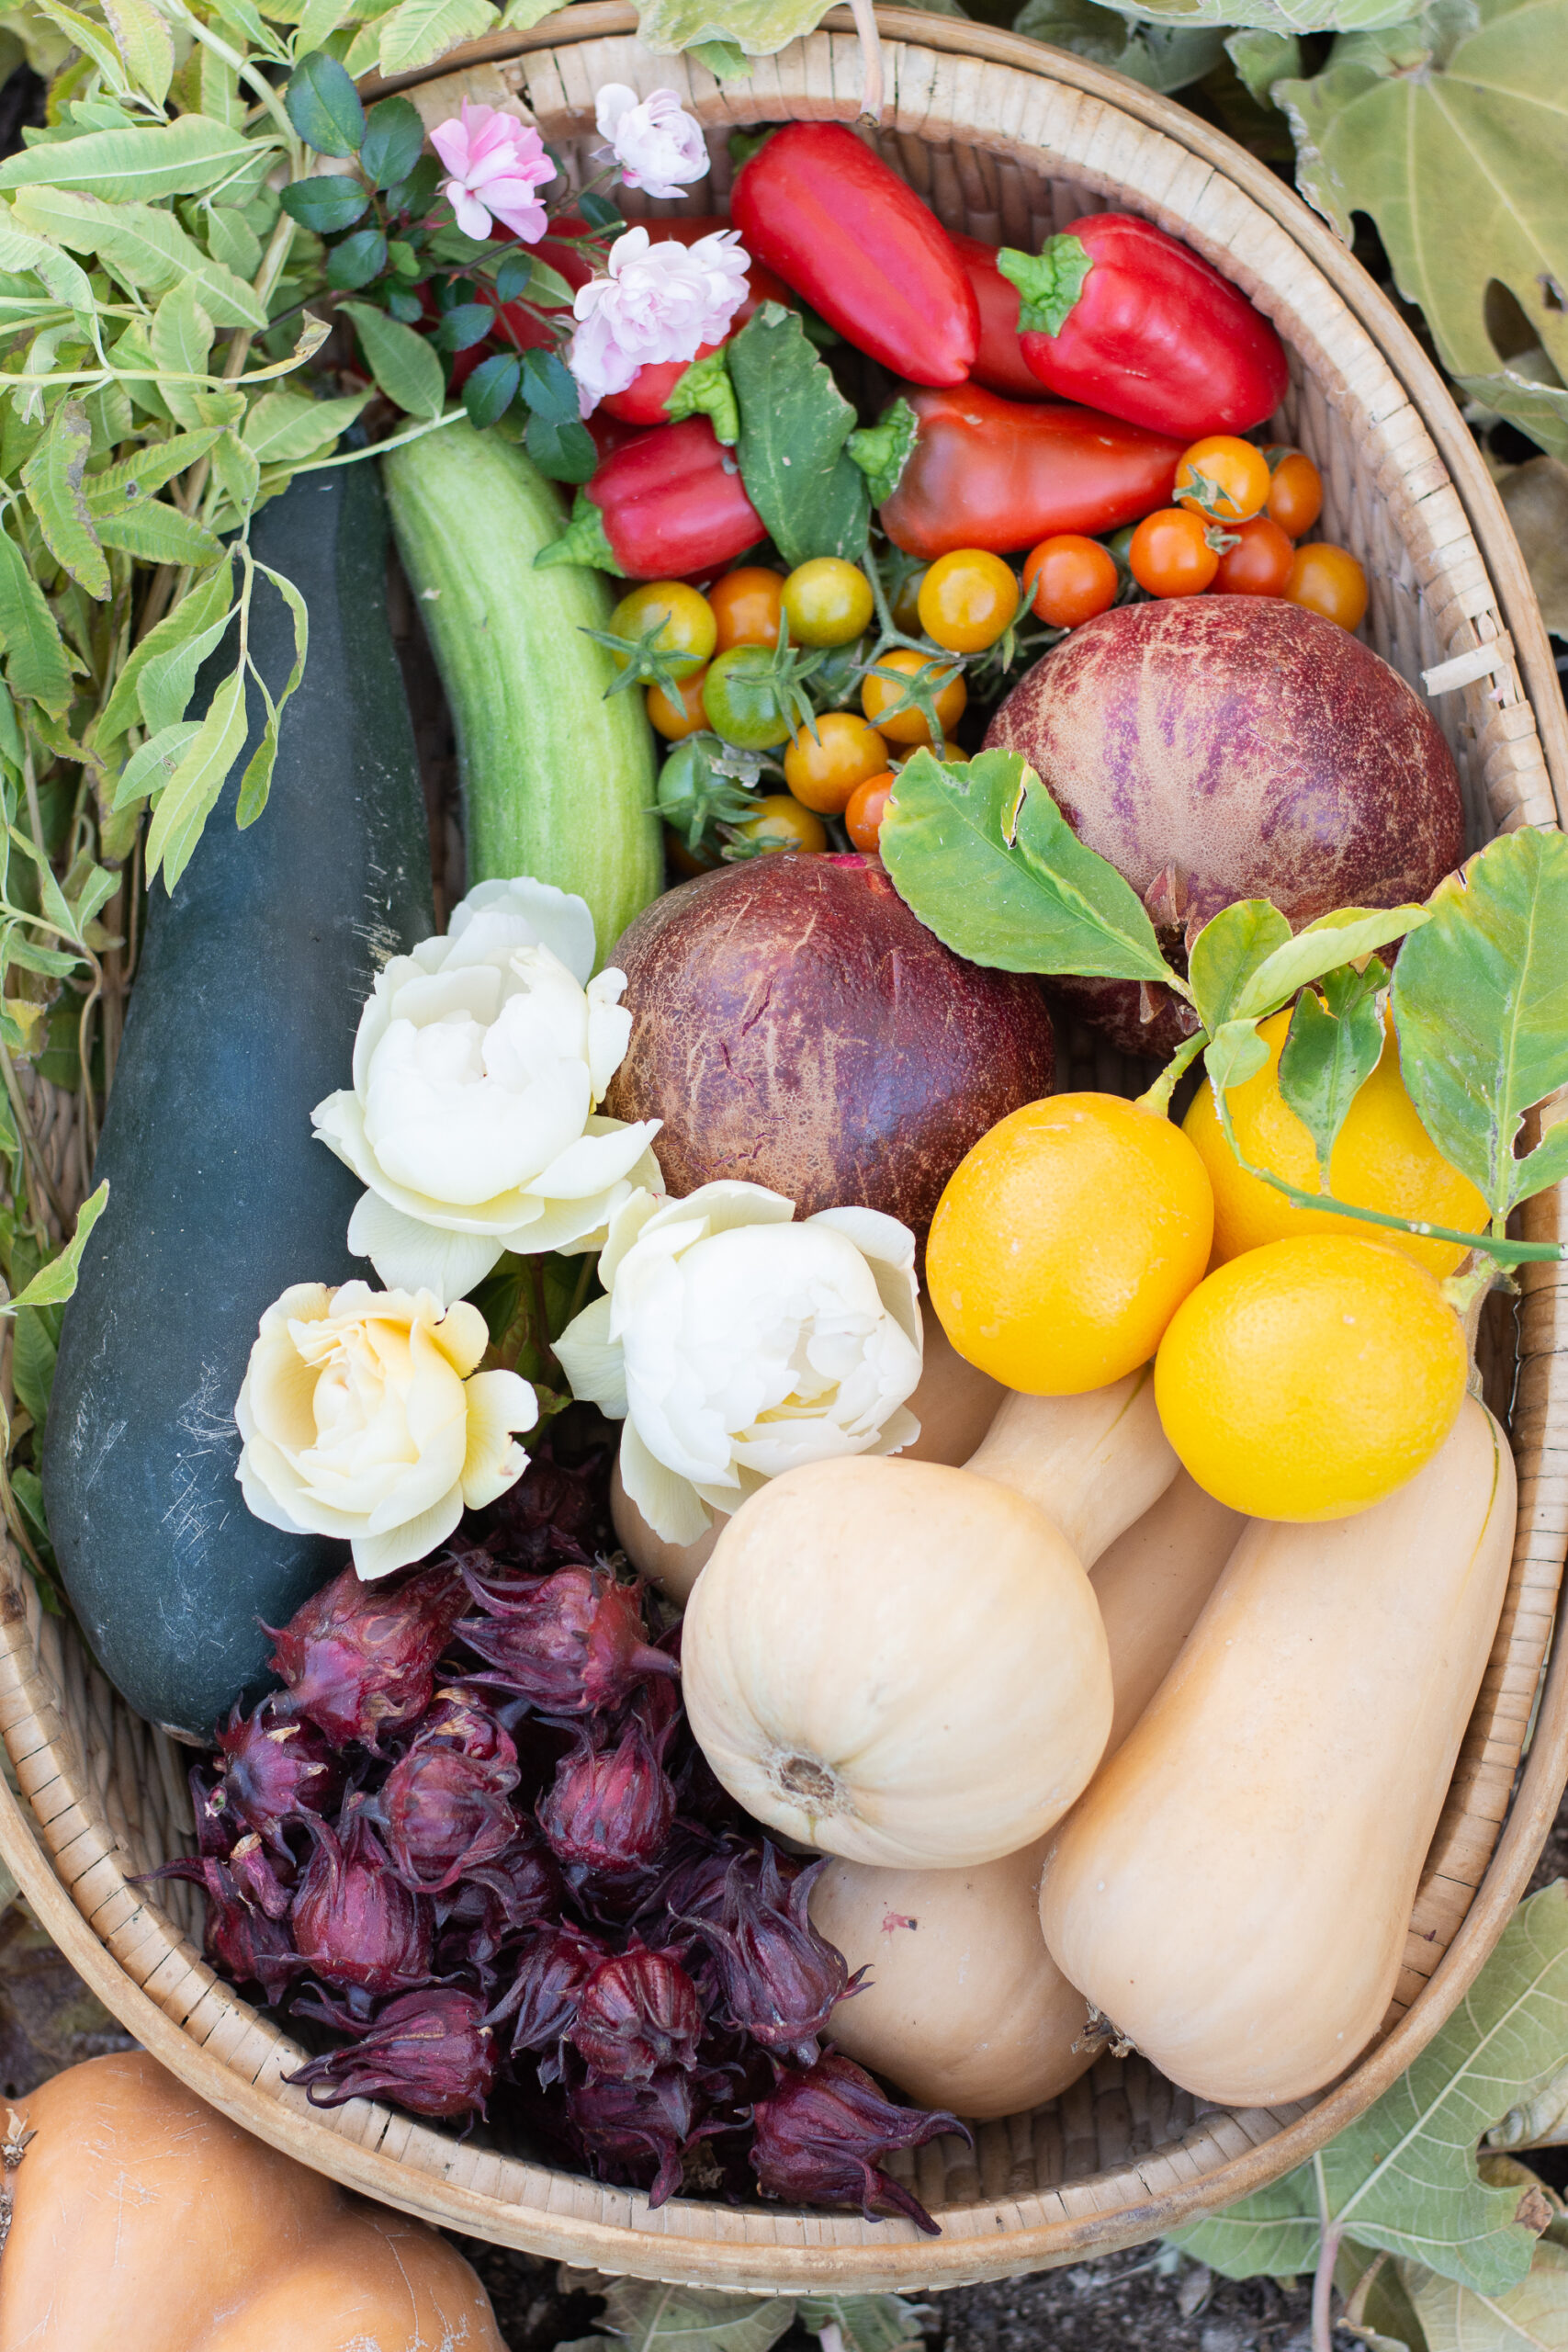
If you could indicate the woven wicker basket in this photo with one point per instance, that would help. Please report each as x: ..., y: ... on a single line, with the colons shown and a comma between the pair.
x: 1009, y: 141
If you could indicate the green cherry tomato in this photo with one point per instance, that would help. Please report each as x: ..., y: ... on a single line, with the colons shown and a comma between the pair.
x: 672, y: 620
x: 740, y: 697
x: 827, y: 601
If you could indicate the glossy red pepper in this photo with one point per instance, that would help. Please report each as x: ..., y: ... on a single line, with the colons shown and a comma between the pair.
x: 999, y: 363
x: 645, y: 400
x: 669, y: 502
x: 1116, y: 313
x: 855, y: 242
x: 986, y: 472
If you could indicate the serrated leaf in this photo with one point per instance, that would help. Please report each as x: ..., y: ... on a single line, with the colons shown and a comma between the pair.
x: 231, y: 242
x: 37, y: 666
x: 206, y: 599
x: 89, y: 37
x: 1451, y: 136
x: 151, y: 764
x: 794, y: 425
x: 1403, y: 2176
x: 182, y: 336
x: 985, y: 859
x: 145, y: 43
x: 167, y: 682
x: 647, y: 2317
x: 1334, y: 1044
x: 284, y: 428
x: 56, y: 1281
x: 318, y: 20
x: 53, y: 478
x: 323, y: 104
x: 257, y: 782
x: 357, y: 260
x: 563, y: 452
x: 180, y: 158
x: 1531, y: 2317
x: 159, y: 534
x: 61, y: 277
x: 490, y: 390
x: 135, y: 478
x: 402, y: 362
x: 761, y: 28
x: 394, y: 140
x: 51, y: 898
x: 192, y: 791
x: 1338, y: 938
x: 144, y: 247
x: 33, y: 1353
x: 1480, y: 1006
x: 420, y: 31
x: 1227, y: 951
x: 238, y: 470
x: 328, y: 203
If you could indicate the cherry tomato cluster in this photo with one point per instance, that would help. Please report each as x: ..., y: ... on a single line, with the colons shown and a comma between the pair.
x: 1239, y: 511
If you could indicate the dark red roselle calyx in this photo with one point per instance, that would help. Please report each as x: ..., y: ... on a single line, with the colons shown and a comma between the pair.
x: 353, y: 1920
x: 276, y: 1767
x: 553, y: 1966
x: 239, y: 1940
x: 819, y: 2137
x: 570, y: 1643
x: 638, y: 2011
x: 609, y: 1810
x: 360, y: 1659
x: 433, y: 2050
x: 628, y: 2128
x: 214, y: 1831
x: 687, y: 1887
x: 444, y: 1806
x: 267, y: 1884
x: 555, y: 1512
x: 771, y: 1975
x: 495, y: 1901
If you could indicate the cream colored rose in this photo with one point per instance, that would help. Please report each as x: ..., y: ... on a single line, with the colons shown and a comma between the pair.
x: 362, y: 1417
x: 477, y: 1065
x: 736, y: 1343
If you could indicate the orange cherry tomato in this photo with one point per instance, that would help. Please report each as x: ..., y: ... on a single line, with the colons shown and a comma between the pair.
x: 822, y: 771
x: 1328, y: 579
x: 1171, y: 554
x: 878, y: 695
x: 1225, y: 478
x: 677, y: 711
x: 1259, y: 564
x: 1295, y: 494
x: 746, y: 605
x: 783, y: 824
x: 1070, y: 579
x: 949, y: 752
x: 867, y: 806
x: 967, y: 600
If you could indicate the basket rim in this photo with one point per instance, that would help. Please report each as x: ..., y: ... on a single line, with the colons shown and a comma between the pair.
x: 1478, y: 493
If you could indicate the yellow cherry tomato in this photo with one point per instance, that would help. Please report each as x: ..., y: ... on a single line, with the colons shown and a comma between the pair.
x: 1328, y: 579
x: 781, y: 823
x: 677, y: 711
x: 967, y: 600
x: 826, y: 602
x: 823, y: 770
x: 1223, y: 477
x: 687, y: 630
x: 880, y: 696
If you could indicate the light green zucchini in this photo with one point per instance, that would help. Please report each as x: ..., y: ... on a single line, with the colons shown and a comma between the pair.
x: 558, y: 782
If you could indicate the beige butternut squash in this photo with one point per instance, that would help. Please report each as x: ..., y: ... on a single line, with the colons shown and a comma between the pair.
x: 1234, y: 1892
x: 146, y: 2222
x: 965, y: 2008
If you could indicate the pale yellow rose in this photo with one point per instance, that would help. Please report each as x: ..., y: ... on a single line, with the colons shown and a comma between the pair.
x: 362, y: 1417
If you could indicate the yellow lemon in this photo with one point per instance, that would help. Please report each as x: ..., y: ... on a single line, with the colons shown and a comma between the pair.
x: 1067, y: 1239
x: 1383, y: 1159
x: 1308, y: 1379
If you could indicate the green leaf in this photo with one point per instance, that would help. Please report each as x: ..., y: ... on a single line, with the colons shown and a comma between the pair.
x: 358, y: 261
x: 1451, y: 134
x: 1339, y: 938
x: 563, y: 452
x: 647, y: 2317
x: 1227, y: 951
x: 1531, y: 2317
x: 203, y: 604
x: 1403, y: 2176
x: 724, y: 60
x: 239, y: 472
x: 192, y: 791
x: 232, y: 242
x: 420, y: 31
x: 1262, y: 59
x: 794, y: 425
x: 284, y: 428
x: 168, y: 681
x: 985, y: 859
x: 1234, y: 1054
x: 182, y: 336
x: 761, y: 28
x: 51, y: 898
x: 53, y: 478
x: 330, y: 203
x: 1162, y: 57
x: 491, y: 388
x: 33, y: 1352
x: 37, y: 667
x: 257, y: 781
x: 394, y: 138
x: 550, y: 388
x: 402, y: 362
x: 55, y: 1283
x: 119, y: 488
x: 1272, y: 16
x: 149, y: 768
x: 145, y: 43
x: 145, y: 248
x: 61, y: 277
x: 1334, y: 1044
x: 180, y: 158
x: 865, y: 2323
x: 463, y: 325
x: 159, y: 534
x: 323, y: 105
x: 319, y: 20
x: 1481, y: 1007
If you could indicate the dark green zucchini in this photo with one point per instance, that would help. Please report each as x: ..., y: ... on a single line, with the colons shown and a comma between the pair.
x: 242, y: 1016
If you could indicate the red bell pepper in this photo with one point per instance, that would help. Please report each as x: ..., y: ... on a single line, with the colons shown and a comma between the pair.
x: 985, y: 472
x: 829, y: 216
x: 1117, y: 313
x: 669, y: 502
x: 646, y: 399
x: 999, y: 363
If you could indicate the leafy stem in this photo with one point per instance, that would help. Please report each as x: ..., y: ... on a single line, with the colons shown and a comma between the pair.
x: 1329, y: 2235
x: 1158, y: 1096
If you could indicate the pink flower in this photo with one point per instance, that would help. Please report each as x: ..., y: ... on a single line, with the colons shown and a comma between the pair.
x: 657, y: 145
x: 496, y: 163
x: 659, y: 301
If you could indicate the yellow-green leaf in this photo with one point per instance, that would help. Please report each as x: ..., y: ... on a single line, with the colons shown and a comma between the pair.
x: 36, y: 665
x: 191, y: 793
x: 53, y: 478
x: 421, y: 30
x: 284, y: 428
x: 54, y: 1282
x: 145, y: 247
x: 146, y: 44
x: 179, y: 158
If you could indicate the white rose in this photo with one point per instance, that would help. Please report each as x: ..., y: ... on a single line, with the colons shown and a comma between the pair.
x: 736, y: 1344
x: 658, y: 146
x: 478, y: 1063
x: 362, y: 1417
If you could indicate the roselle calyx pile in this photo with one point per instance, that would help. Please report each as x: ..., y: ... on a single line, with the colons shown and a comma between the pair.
x: 472, y: 1850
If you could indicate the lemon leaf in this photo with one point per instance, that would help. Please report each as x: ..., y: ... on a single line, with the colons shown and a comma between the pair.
x: 1226, y: 953
x: 1334, y: 1044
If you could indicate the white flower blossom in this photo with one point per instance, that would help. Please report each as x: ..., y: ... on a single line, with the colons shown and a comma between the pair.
x: 657, y: 302
x: 658, y: 146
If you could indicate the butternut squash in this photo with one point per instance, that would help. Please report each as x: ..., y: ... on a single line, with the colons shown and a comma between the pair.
x: 904, y: 1663
x: 965, y: 2008
x: 1235, y: 1891
x: 145, y: 2222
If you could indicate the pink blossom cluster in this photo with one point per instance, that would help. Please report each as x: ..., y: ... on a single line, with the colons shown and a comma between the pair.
x: 657, y: 302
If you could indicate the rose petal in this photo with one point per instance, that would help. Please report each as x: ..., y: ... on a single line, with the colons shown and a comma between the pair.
x: 668, y: 1503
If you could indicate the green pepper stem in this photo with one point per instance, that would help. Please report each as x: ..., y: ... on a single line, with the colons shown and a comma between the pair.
x: 1049, y: 282
x: 584, y: 540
